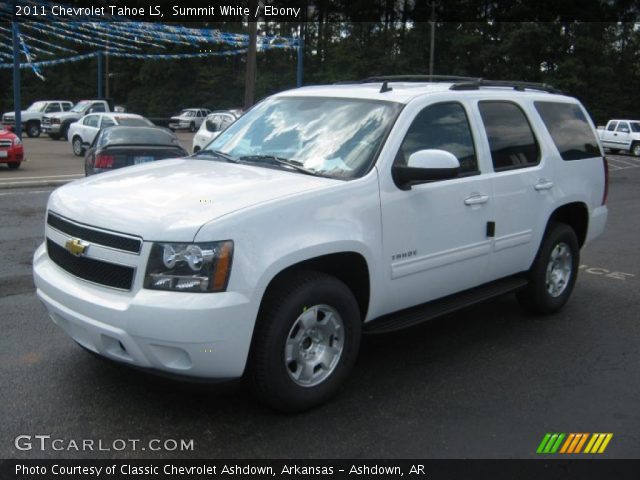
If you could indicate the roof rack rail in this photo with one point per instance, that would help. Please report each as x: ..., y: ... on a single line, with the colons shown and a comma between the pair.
x: 410, y: 78
x: 520, y: 86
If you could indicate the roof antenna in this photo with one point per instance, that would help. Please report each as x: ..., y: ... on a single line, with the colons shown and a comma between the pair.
x: 385, y: 87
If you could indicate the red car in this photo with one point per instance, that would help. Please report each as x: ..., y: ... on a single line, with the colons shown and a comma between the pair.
x: 11, y: 150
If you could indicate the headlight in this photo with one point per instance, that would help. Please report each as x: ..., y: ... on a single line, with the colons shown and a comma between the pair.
x: 17, y: 141
x: 189, y: 267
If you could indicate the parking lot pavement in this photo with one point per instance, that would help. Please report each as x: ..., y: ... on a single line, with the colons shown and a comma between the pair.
x: 486, y: 382
x: 52, y: 162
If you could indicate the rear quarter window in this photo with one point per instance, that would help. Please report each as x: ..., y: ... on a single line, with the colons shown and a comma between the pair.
x: 569, y: 129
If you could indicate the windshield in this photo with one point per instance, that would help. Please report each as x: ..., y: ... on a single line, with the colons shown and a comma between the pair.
x: 635, y: 126
x: 80, y: 106
x: 37, y: 107
x: 336, y: 137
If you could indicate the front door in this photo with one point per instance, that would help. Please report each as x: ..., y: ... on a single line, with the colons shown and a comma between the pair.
x: 435, y: 238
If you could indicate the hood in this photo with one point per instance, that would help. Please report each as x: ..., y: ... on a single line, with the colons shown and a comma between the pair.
x: 171, y: 199
x: 63, y: 115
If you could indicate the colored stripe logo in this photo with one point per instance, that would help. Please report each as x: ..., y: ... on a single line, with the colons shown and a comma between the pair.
x: 574, y: 443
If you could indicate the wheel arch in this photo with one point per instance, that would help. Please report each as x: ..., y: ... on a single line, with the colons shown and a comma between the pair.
x: 350, y: 267
x: 576, y: 215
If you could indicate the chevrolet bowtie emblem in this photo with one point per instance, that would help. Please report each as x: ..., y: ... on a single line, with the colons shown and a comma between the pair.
x: 76, y: 246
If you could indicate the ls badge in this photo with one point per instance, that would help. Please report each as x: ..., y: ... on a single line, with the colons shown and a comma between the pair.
x: 76, y: 247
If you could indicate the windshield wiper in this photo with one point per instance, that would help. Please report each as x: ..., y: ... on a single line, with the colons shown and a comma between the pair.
x: 215, y: 153
x: 284, y: 162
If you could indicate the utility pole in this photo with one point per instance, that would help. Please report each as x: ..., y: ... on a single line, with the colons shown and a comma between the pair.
x: 16, y: 78
x: 433, y: 37
x: 250, y: 73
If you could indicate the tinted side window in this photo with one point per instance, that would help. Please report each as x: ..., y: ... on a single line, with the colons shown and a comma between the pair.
x: 612, y: 126
x: 623, y: 127
x: 98, y: 107
x: 569, y: 130
x: 511, y: 139
x: 91, y: 120
x: 52, y: 107
x: 107, y: 122
x: 443, y: 126
x: 66, y: 106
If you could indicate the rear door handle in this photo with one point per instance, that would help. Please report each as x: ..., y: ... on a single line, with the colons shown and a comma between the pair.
x: 543, y: 185
x: 476, y: 199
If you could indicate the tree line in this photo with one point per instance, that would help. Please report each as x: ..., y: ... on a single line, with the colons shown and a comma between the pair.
x: 597, y: 62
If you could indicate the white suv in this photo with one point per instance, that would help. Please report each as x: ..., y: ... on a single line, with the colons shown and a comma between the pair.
x: 322, y: 213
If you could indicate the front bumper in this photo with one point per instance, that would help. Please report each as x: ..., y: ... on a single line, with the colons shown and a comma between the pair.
x: 12, y: 155
x: 205, y: 336
x: 179, y: 124
x: 51, y: 128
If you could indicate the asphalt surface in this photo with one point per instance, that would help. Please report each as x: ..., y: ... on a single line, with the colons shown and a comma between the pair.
x: 486, y: 382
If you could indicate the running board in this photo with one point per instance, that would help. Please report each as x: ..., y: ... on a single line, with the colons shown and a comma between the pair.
x: 428, y: 311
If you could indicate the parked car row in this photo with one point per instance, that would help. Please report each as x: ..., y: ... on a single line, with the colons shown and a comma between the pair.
x: 87, y: 126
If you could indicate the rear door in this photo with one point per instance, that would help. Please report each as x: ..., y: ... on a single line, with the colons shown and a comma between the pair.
x: 89, y: 128
x: 622, y: 135
x: 522, y: 181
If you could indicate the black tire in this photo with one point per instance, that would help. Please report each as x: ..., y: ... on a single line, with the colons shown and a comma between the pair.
x: 536, y: 296
x: 615, y: 151
x: 76, y: 146
x: 192, y: 127
x: 54, y: 136
x: 14, y: 165
x: 196, y: 149
x: 635, y: 149
x: 282, y: 306
x: 64, y: 130
x: 33, y: 129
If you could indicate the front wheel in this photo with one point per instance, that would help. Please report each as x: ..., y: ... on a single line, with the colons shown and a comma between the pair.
x: 554, y: 271
x: 192, y: 127
x: 305, y: 342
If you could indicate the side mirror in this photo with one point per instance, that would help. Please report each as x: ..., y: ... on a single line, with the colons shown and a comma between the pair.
x: 425, y: 166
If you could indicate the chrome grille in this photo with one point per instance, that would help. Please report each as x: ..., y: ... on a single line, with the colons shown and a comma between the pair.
x: 5, y: 143
x: 117, y: 241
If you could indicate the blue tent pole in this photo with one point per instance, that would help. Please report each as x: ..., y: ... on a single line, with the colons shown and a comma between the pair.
x: 16, y: 79
x: 100, y: 75
x: 300, y: 59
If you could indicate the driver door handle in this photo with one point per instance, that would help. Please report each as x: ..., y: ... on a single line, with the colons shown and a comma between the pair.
x: 476, y: 199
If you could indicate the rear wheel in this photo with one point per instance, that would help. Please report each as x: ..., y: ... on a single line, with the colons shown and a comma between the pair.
x: 33, y: 129
x: 554, y: 271
x: 305, y: 342
x: 78, y: 149
x: 635, y: 149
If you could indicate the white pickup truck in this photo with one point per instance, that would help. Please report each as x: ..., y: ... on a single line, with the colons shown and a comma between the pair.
x: 621, y: 135
x: 323, y: 213
x: 32, y: 117
x: 56, y: 125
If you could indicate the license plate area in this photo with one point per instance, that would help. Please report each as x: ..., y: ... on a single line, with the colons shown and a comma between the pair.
x: 142, y: 159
